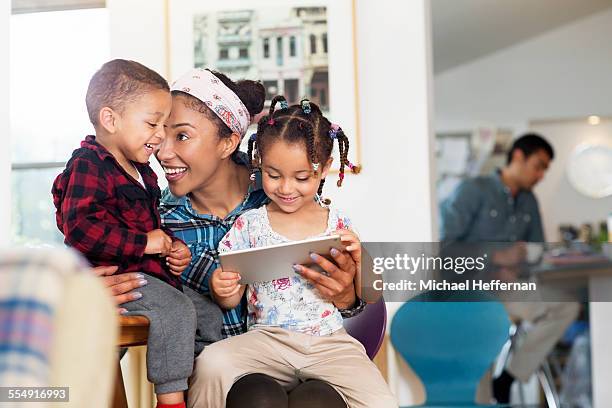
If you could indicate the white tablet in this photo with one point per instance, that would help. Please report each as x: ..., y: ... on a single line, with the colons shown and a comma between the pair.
x: 276, y: 261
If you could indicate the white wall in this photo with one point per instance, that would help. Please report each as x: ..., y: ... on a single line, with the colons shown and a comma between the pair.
x: 559, y: 201
x: 137, y: 31
x: 563, y: 73
x: 5, y: 152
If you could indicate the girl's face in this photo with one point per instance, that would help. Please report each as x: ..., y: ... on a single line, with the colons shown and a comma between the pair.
x: 192, y: 152
x: 287, y: 175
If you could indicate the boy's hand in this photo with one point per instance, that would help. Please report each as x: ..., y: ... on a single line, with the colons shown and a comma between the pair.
x: 179, y: 258
x: 158, y: 242
x: 224, y: 284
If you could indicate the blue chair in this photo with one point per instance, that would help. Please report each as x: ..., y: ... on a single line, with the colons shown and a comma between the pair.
x: 450, y: 344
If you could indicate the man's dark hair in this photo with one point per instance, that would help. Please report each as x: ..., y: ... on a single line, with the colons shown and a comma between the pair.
x: 119, y: 82
x: 529, y: 144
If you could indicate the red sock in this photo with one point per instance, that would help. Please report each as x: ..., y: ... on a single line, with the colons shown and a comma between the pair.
x: 178, y: 405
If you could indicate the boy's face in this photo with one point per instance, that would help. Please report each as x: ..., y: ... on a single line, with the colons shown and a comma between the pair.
x: 140, y: 127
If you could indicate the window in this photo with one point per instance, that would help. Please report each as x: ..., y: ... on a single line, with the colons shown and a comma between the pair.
x: 271, y: 89
x: 313, y: 44
x: 291, y: 90
x: 279, y: 50
x: 48, y: 118
x: 324, y: 43
x: 323, y: 98
x: 243, y: 53
x: 266, y: 48
x: 292, y: 47
x: 223, y: 54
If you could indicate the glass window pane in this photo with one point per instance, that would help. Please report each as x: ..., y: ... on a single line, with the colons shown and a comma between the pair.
x: 33, y: 212
x: 52, y: 57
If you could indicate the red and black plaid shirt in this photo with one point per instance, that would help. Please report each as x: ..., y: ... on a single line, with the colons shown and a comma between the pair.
x: 106, y: 214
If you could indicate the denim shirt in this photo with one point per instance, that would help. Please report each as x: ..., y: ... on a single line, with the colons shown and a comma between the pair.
x: 483, y: 209
x: 202, y: 234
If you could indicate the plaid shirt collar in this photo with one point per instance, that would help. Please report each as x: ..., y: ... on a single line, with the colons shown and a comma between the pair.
x: 101, y: 151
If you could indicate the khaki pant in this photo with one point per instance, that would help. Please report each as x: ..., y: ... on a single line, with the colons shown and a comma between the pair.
x: 549, y: 320
x: 289, y: 357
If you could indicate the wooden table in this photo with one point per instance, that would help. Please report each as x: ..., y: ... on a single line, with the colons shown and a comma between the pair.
x: 596, y: 279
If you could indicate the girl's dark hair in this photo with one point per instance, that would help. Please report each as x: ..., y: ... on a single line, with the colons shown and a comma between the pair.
x: 302, y: 123
x: 251, y: 93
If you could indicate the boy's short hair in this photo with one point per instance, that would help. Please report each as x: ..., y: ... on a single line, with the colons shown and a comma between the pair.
x: 529, y: 144
x: 119, y: 82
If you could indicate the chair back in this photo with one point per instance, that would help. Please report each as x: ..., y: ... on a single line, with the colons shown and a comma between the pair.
x: 369, y: 326
x: 450, y: 344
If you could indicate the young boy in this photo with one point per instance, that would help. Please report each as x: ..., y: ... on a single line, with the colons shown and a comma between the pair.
x: 106, y: 201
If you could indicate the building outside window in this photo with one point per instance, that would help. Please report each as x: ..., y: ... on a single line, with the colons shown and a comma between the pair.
x: 266, y: 48
x: 243, y: 53
x: 223, y: 54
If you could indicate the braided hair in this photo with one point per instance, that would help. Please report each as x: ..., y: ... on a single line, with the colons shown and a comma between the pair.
x: 301, y: 123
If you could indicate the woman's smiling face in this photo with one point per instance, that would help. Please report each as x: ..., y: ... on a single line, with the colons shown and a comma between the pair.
x: 191, y: 151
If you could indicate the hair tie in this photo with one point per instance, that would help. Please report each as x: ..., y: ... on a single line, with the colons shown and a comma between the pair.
x: 271, y: 122
x: 341, y: 178
x: 253, y: 137
x: 306, y: 106
x: 333, y: 131
x: 284, y: 105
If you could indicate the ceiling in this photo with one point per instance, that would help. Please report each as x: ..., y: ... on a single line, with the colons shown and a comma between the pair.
x: 464, y: 30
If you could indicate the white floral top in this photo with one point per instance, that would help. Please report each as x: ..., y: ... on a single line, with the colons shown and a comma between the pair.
x: 291, y: 303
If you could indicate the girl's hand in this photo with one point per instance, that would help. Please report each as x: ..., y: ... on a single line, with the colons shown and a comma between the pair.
x: 179, y: 258
x: 225, y: 288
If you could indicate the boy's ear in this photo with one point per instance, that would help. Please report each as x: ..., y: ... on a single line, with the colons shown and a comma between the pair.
x: 326, y: 167
x: 229, y: 145
x: 108, y: 119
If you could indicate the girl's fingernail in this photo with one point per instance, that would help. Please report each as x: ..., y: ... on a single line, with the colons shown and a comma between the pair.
x: 297, y: 268
x: 139, y: 276
x: 142, y: 282
x: 314, y: 256
x: 123, y: 311
x: 136, y: 295
x: 334, y: 252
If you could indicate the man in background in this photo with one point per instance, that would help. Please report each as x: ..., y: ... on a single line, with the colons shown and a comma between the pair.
x: 501, y: 207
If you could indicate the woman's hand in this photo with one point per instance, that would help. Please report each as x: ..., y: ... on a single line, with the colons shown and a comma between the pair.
x: 179, y: 258
x: 339, y: 287
x: 121, y: 286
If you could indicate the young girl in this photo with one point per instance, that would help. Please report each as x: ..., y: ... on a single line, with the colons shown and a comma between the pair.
x: 295, y: 334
